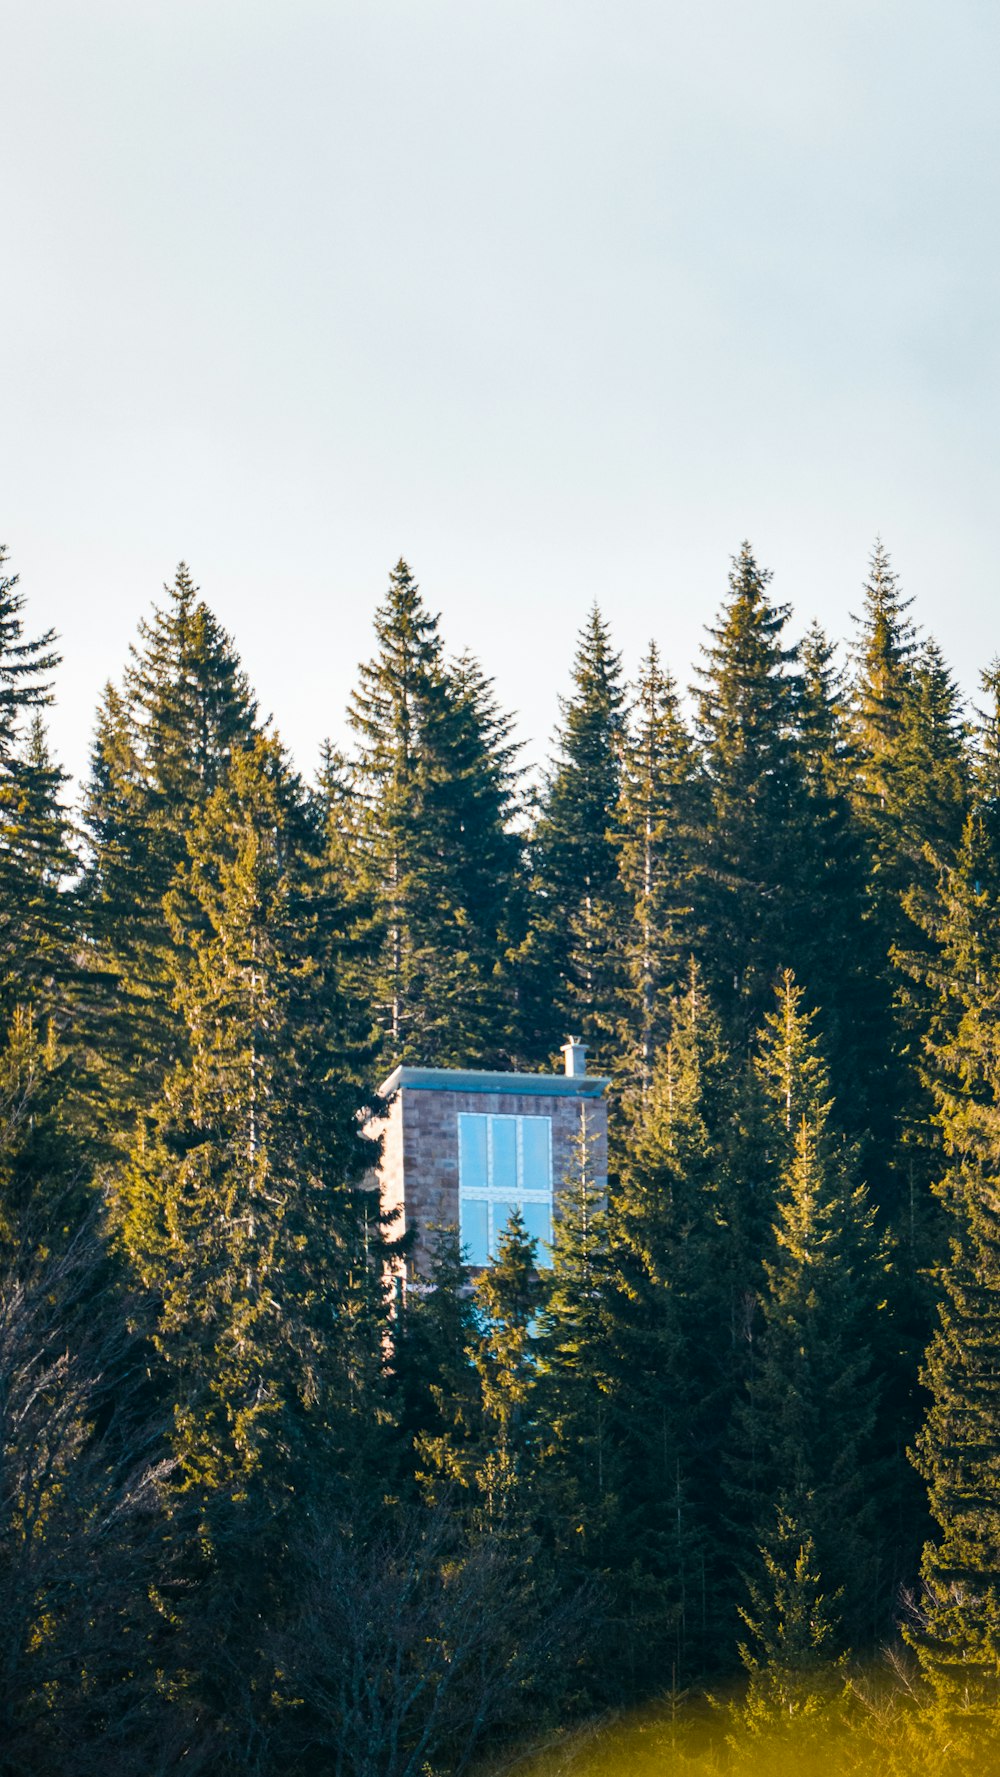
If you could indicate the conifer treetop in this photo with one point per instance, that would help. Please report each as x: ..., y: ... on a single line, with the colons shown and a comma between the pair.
x: 25, y: 666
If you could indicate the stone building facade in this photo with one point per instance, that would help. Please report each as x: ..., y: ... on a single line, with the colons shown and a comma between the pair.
x: 461, y: 1147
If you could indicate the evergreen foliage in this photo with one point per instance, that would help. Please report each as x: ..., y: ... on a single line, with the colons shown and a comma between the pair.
x: 35, y: 858
x: 812, y: 1399
x: 680, y: 1240
x: 435, y: 770
x: 750, y: 851
x: 238, y: 1205
x: 163, y: 743
x: 279, y: 1495
x: 570, y: 962
x: 653, y: 829
x: 956, y: 1451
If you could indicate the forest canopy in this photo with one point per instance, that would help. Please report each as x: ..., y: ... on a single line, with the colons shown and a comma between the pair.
x: 264, y: 1511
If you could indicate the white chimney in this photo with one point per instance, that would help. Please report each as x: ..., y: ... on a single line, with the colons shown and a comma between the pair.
x: 575, y: 1055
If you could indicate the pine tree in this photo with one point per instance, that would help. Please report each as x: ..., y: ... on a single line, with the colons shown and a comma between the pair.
x: 794, y: 1674
x: 36, y: 917
x: 653, y: 833
x: 882, y: 693
x: 752, y: 850
x: 680, y: 1239
x: 841, y: 953
x: 163, y: 744
x: 576, y: 1459
x: 436, y: 1385
x: 238, y: 1205
x: 957, y: 1449
x: 910, y: 792
x: 435, y: 767
x: 190, y: 701
x: 26, y: 667
x: 808, y: 1421
x: 571, y: 963
x: 508, y: 1294
x: 38, y: 913
x: 471, y: 876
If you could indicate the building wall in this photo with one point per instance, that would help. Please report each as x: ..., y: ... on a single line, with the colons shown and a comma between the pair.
x: 420, y: 1151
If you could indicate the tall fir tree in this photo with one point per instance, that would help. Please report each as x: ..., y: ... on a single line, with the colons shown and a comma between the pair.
x: 238, y: 1205
x: 653, y: 831
x: 576, y: 1460
x: 884, y: 657
x: 958, y: 1449
x: 438, y: 1400
x: 750, y: 907
x: 910, y: 790
x: 571, y: 963
x: 841, y: 955
x: 681, y: 1239
x: 163, y: 744
x: 37, y: 915
x: 435, y: 768
x: 807, y: 1424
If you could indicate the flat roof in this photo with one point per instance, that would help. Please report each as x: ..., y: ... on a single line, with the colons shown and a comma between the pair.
x: 461, y: 1079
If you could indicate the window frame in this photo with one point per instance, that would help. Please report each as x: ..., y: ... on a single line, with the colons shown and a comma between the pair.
x: 493, y: 1194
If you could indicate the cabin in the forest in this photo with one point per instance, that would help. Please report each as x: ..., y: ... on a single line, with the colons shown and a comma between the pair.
x: 461, y: 1148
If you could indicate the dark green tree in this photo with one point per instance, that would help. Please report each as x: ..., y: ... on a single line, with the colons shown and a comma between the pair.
x: 437, y: 1395
x: 572, y: 1354
x: 653, y: 830
x: 752, y: 850
x: 842, y: 953
x: 808, y: 1421
x: 681, y: 1241
x: 795, y: 1677
x: 884, y: 661
x: 36, y: 863
x: 571, y: 964
x: 164, y: 742
x: 508, y: 1296
x: 435, y: 769
x: 238, y: 1205
x: 957, y: 1448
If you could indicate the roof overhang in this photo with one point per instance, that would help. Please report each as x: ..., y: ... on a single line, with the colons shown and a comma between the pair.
x: 457, y: 1079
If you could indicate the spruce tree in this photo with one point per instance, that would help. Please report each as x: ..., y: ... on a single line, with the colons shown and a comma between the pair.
x: 437, y: 1397
x: 571, y: 964
x: 653, y: 832
x: 808, y: 1421
x: 957, y: 1448
x: 39, y: 964
x: 36, y: 863
x: 681, y: 1240
x: 472, y: 876
x: 884, y: 653
x: 753, y: 846
x: 435, y: 769
x: 910, y: 791
x: 841, y: 953
x: 577, y: 1464
x: 508, y: 1295
x: 238, y: 1204
x: 26, y: 667
x: 163, y: 744
x: 795, y: 1677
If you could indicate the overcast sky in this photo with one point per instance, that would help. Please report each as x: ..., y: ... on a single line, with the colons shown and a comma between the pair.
x: 558, y: 298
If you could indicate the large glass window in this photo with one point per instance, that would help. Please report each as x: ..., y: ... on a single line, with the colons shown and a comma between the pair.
x: 505, y: 1163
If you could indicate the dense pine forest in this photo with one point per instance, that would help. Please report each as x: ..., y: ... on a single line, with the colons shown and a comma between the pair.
x: 264, y: 1512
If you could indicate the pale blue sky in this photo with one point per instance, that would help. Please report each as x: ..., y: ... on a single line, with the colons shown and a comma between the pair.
x: 558, y: 298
